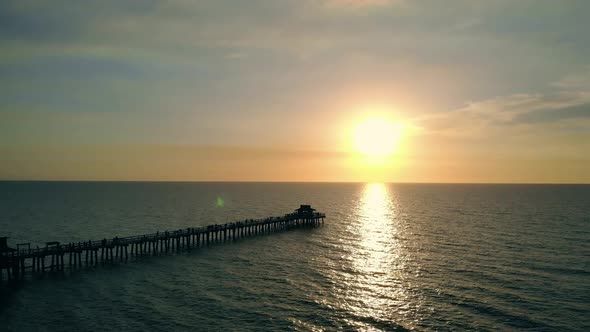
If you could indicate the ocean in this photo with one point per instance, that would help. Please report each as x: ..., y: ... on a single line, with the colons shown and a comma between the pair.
x: 432, y: 257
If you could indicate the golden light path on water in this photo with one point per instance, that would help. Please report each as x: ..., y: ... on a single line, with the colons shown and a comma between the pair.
x: 376, y: 293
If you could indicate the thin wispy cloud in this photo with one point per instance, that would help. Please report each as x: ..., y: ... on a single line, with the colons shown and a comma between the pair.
x: 568, y: 98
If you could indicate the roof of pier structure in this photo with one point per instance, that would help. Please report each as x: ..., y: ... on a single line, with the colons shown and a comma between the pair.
x: 305, y: 209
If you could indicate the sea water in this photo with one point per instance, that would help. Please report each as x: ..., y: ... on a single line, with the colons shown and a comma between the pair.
x: 389, y: 257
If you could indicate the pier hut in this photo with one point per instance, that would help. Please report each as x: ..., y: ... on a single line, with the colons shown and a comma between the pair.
x: 305, y: 210
x: 4, y: 248
x: 6, y: 256
x: 306, y: 215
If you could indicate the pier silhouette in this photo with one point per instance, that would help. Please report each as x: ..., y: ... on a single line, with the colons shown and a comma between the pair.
x: 16, y: 262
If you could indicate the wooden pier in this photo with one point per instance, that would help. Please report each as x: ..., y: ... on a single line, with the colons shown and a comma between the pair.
x: 15, y: 263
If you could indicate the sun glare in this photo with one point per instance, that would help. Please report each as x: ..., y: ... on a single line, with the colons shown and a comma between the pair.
x: 376, y: 137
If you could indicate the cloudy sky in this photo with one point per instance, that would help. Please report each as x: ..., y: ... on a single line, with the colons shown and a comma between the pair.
x: 268, y: 90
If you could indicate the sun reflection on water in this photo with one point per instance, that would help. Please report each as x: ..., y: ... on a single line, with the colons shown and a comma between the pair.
x: 376, y: 212
x: 375, y: 292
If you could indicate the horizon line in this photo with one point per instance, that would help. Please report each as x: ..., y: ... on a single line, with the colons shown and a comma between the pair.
x: 296, y: 182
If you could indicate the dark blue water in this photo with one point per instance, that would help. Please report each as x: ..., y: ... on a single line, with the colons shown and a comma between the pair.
x: 399, y: 256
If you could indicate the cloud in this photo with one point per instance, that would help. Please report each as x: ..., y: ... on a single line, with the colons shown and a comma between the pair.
x: 569, y: 99
x: 179, y: 26
x: 579, y: 81
x: 224, y: 56
x: 554, y: 115
x: 362, y: 3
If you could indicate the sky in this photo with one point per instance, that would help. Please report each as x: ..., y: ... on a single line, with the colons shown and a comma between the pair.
x: 270, y: 90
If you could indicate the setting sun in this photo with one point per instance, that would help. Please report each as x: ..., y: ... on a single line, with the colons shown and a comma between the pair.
x: 376, y: 137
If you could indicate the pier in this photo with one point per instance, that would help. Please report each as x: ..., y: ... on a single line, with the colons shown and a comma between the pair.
x: 16, y: 262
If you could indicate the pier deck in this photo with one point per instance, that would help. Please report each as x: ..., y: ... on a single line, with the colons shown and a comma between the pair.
x: 14, y: 263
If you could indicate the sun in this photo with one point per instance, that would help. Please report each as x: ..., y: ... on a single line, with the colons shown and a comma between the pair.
x: 376, y: 137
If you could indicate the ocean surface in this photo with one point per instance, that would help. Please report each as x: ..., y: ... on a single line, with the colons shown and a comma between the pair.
x: 389, y: 257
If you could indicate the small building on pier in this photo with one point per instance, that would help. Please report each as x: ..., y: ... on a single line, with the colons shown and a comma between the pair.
x: 5, y: 252
x: 305, y: 210
x: 4, y: 248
